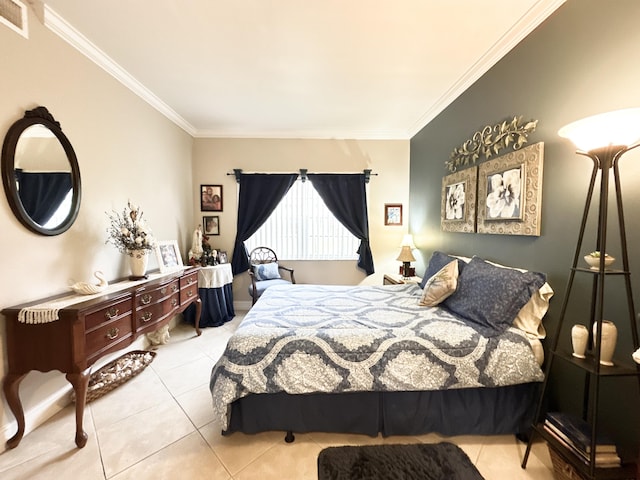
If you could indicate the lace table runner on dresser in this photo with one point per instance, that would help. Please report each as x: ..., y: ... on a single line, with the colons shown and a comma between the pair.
x: 48, y: 311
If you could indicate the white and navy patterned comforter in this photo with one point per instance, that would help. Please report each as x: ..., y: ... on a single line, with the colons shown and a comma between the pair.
x: 318, y: 338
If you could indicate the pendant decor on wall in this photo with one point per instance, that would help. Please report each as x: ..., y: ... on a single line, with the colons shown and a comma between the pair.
x: 490, y: 141
x: 510, y: 193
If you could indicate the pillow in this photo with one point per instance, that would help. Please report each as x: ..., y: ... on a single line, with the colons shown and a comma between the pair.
x: 490, y: 297
x: 529, y: 318
x: 441, y: 285
x: 436, y: 262
x: 266, y: 271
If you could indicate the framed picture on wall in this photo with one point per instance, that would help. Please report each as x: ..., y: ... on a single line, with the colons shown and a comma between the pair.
x: 393, y: 214
x: 510, y: 192
x: 211, y: 225
x: 458, y: 210
x: 211, y: 198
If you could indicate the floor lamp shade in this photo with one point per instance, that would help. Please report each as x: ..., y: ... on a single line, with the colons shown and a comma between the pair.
x: 619, y: 128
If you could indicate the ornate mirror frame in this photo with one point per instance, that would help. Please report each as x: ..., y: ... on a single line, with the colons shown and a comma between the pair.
x: 39, y: 115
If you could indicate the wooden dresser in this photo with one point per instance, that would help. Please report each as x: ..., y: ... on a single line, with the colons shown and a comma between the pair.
x: 87, y: 330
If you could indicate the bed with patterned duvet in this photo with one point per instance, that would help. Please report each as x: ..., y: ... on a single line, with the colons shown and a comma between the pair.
x: 394, y: 359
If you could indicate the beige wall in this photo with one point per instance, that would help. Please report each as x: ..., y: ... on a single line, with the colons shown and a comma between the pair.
x: 389, y: 159
x: 125, y: 149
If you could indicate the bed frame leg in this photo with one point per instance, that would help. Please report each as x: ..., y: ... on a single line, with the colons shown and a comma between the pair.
x: 289, y: 438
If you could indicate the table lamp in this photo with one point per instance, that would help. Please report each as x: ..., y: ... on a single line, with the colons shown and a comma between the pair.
x: 406, y: 257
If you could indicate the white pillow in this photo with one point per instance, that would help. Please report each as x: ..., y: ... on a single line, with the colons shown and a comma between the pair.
x: 440, y: 286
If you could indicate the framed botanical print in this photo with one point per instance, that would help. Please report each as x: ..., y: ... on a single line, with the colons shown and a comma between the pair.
x: 510, y: 192
x: 211, y: 198
x: 458, y: 209
x: 393, y: 214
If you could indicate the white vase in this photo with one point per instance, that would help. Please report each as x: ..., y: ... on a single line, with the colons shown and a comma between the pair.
x: 138, y: 260
x: 609, y: 339
x: 579, y: 340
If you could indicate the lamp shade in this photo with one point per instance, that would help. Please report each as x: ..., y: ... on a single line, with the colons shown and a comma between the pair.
x: 620, y: 127
x: 406, y: 255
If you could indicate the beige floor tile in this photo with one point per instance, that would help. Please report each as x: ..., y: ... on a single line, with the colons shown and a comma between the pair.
x: 176, y: 353
x: 184, y: 378
x: 189, y: 458
x: 284, y: 461
x: 52, y: 437
x: 237, y: 450
x: 65, y: 462
x: 501, y: 456
x: 197, y: 405
x: 142, y: 392
x: 134, y: 438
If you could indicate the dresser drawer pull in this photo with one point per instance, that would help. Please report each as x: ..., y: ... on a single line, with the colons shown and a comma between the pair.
x: 191, y: 280
x: 163, y: 290
x: 175, y: 288
x: 112, y: 333
x: 174, y: 302
x: 190, y: 293
x: 111, y: 313
x: 147, y: 316
x: 146, y: 299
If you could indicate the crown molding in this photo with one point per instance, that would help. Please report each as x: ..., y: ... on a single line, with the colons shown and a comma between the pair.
x: 64, y: 30
x: 527, y: 23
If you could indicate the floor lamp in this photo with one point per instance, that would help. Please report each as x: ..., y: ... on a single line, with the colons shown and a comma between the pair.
x: 604, y: 139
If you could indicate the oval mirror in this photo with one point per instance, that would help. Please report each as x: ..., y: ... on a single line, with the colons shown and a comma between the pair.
x: 40, y: 174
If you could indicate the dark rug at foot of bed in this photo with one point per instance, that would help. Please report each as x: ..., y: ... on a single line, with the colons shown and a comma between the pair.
x: 439, y: 461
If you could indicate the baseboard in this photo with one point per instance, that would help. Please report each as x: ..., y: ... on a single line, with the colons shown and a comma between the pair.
x: 242, y: 306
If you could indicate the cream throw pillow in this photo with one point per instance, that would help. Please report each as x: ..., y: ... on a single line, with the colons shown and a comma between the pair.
x: 441, y: 285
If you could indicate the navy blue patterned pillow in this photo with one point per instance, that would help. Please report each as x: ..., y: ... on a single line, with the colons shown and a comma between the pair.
x: 490, y: 297
x: 436, y: 262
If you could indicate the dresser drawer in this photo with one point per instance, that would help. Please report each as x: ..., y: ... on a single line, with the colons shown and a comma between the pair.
x: 188, y: 293
x: 157, y: 294
x: 152, y: 314
x: 108, y: 337
x: 107, y: 314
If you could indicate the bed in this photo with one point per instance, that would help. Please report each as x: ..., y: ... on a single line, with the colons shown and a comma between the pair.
x: 459, y: 354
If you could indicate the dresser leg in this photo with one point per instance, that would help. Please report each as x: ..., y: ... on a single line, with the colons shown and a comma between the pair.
x: 80, y: 382
x: 10, y: 385
x: 198, y: 312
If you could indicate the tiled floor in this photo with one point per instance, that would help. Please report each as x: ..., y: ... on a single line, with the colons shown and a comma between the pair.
x: 158, y: 426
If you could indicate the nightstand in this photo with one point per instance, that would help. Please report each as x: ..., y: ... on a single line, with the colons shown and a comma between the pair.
x: 397, y: 279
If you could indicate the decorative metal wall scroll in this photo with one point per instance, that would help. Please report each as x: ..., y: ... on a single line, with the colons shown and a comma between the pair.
x: 490, y: 140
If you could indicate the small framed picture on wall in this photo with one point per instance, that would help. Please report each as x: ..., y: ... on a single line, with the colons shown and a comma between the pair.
x: 211, y: 198
x: 211, y: 225
x: 393, y: 214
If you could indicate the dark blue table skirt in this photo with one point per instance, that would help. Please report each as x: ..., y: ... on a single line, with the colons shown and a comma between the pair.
x: 217, y: 307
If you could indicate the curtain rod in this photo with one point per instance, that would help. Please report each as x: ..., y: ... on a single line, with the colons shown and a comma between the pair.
x: 303, y: 174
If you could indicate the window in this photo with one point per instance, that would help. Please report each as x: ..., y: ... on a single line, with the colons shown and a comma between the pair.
x: 302, y: 228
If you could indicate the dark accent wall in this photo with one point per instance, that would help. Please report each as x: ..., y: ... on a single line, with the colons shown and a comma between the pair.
x: 581, y: 61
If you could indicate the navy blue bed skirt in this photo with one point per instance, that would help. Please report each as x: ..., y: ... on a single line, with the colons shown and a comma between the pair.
x: 217, y: 307
x: 468, y: 411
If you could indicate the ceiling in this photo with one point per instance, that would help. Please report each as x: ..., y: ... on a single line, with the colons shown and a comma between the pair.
x: 358, y: 69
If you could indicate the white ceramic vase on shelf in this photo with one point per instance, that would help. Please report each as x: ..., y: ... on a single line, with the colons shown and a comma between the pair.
x: 579, y: 339
x: 138, y: 260
x: 609, y: 339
